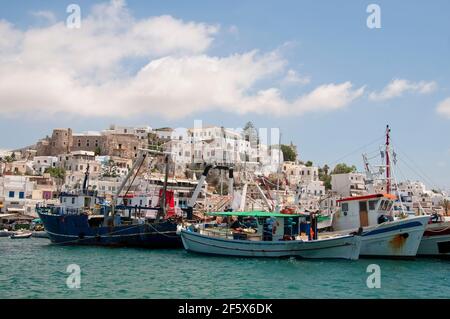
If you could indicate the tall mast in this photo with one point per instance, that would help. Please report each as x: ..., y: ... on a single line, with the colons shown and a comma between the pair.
x: 388, y: 164
x: 166, y: 177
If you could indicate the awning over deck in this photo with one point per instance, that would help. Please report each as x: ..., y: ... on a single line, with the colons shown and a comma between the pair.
x: 254, y: 214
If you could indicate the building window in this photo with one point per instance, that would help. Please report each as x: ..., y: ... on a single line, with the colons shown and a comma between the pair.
x: 11, y: 194
x: 73, y: 200
x: 21, y: 195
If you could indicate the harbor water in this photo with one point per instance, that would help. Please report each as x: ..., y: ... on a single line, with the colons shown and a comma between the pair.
x: 34, y: 268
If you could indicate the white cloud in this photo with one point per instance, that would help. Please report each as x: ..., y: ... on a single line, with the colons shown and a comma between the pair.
x: 398, y: 87
x: 84, y: 71
x: 292, y: 78
x: 444, y: 107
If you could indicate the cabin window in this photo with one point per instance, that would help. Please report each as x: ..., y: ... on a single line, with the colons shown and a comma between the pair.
x: 73, y: 200
x: 344, y: 207
x: 372, y: 204
x: 389, y: 206
x: 384, y: 205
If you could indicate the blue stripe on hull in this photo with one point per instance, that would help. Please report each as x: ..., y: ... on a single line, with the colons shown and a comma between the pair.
x: 392, y: 228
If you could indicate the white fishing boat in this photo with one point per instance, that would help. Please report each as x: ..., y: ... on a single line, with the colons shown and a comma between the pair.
x: 382, y: 234
x: 264, y: 234
x: 385, y: 232
x: 436, y: 239
x: 21, y: 235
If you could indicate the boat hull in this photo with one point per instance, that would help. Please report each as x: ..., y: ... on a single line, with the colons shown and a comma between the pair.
x: 20, y: 236
x: 400, y: 238
x: 436, y: 240
x: 345, y: 247
x: 75, y: 230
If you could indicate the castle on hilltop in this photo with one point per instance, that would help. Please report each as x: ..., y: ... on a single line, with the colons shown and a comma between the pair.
x: 119, y: 142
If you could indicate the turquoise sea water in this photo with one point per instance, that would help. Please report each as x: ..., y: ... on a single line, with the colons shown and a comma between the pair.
x: 34, y: 268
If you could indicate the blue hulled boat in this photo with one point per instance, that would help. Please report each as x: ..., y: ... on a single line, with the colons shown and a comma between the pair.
x: 66, y: 227
x: 86, y: 219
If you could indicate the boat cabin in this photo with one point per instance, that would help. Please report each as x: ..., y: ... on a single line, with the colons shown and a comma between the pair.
x: 257, y: 225
x: 363, y: 211
x: 74, y: 203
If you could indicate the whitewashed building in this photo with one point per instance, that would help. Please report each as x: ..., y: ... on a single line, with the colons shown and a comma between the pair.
x: 75, y: 164
x: 41, y: 163
x: 140, y: 131
x: 350, y: 184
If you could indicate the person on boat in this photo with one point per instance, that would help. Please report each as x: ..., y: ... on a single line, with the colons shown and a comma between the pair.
x: 384, y: 218
x: 236, y: 224
x: 269, y: 228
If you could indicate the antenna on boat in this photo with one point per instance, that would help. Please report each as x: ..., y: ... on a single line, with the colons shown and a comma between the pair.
x: 388, y: 164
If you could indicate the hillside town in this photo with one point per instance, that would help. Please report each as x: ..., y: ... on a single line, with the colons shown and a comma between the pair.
x: 268, y: 174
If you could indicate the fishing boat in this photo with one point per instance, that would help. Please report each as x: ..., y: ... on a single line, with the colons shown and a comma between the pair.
x: 20, y: 235
x: 95, y: 222
x: 383, y: 235
x: 266, y: 234
x: 436, y: 238
x: 384, y: 232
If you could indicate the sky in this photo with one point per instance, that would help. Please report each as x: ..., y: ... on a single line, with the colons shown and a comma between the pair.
x: 314, y: 69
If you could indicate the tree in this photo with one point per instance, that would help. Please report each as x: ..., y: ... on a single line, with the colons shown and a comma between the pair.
x: 98, y: 150
x: 154, y: 142
x: 288, y: 153
x: 325, y: 177
x: 58, y: 173
x: 110, y: 169
x: 309, y: 164
x: 343, y: 168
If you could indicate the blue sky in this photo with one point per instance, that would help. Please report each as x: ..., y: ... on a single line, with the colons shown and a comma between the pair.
x: 322, y: 42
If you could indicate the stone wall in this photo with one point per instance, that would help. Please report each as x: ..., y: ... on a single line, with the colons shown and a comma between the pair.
x: 63, y: 141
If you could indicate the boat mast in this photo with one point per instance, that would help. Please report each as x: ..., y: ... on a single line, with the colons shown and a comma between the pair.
x: 164, y: 191
x: 278, y: 205
x: 388, y: 164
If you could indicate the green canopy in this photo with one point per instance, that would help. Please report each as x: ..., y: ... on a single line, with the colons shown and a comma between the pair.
x: 253, y: 214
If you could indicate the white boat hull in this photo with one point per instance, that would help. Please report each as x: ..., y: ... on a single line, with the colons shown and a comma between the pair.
x: 343, y: 247
x: 436, y: 240
x: 400, y: 238
x: 20, y: 236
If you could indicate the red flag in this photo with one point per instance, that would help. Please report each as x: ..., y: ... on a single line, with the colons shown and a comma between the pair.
x: 170, y: 202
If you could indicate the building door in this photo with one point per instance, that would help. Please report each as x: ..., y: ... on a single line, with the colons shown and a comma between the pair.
x: 363, y: 214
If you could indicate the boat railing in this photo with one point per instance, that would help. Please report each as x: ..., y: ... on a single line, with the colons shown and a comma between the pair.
x: 217, y: 232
